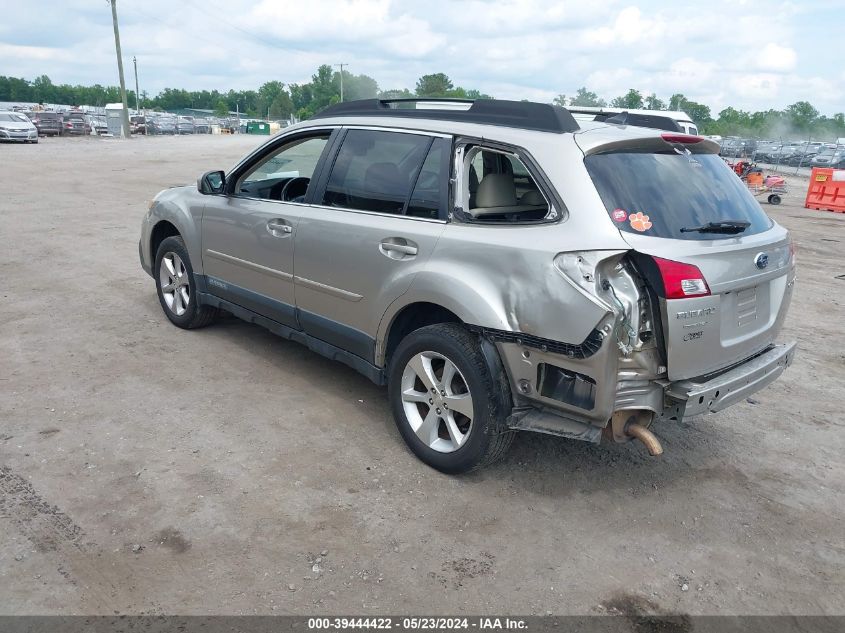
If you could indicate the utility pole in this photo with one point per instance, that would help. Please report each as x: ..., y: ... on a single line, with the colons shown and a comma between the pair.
x: 341, y: 80
x: 137, y: 94
x: 125, y: 113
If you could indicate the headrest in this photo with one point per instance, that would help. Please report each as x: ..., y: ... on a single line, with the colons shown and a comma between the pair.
x: 385, y: 178
x: 532, y: 197
x: 496, y: 190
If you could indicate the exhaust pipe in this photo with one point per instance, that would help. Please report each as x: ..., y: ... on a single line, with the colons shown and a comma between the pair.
x: 649, y: 439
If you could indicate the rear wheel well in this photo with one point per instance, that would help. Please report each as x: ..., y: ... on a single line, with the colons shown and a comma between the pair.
x: 413, y: 317
x: 161, y: 231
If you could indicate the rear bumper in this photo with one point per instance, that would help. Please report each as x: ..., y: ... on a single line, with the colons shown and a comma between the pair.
x: 733, y: 385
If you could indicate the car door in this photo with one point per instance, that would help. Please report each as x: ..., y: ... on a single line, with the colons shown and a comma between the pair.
x: 248, y: 233
x: 380, y: 211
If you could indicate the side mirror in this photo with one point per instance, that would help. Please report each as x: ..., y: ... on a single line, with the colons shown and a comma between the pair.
x: 211, y: 182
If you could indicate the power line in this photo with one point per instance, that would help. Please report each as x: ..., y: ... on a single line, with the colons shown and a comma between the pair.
x: 252, y: 35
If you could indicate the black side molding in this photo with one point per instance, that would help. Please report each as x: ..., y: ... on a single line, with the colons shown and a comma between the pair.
x: 590, y: 346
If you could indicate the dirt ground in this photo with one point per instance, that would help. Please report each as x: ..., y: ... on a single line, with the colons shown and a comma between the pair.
x: 146, y: 469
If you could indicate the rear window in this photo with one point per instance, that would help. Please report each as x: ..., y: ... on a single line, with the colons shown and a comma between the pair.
x: 659, y: 194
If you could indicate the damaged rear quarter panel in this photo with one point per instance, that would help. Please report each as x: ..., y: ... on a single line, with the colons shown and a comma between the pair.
x: 505, y: 278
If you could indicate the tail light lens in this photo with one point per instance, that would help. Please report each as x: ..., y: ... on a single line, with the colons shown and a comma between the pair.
x: 681, y: 138
x: 681, y: 280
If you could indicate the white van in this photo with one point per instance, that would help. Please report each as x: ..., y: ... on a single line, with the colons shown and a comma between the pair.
x: 684, y: 120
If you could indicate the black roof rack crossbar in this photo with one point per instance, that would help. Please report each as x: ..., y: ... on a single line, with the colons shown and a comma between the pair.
x: 525, y: 115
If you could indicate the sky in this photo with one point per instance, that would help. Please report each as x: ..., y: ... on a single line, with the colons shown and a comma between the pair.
x: 753, y: 55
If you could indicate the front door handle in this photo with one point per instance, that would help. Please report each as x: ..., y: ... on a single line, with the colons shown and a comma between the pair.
x: 279, y: 227
x: 398, y: 248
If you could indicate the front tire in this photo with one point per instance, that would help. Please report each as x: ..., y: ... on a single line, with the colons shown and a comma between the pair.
x: 448, y: 406
x: 176, y: 286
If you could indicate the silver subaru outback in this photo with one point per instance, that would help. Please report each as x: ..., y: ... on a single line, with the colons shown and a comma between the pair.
x: 497, y: 265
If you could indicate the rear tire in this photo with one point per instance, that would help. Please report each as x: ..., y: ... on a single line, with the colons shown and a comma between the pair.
x: 447, y: 404
x: 774, y: 199
x: 176, y: 286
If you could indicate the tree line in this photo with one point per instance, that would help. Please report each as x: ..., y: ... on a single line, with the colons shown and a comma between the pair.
x: 276, y: 100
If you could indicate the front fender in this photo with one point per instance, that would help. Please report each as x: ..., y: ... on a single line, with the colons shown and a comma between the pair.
x: 182, y: 207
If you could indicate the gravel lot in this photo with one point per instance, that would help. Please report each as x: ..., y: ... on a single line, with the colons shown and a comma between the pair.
x: 146, y: 469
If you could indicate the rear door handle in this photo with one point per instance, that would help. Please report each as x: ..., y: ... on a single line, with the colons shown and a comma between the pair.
x: 398, y: 248
x: 279, y: 227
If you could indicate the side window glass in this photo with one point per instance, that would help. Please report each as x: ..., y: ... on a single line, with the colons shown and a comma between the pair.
x: 374, y: 171
x: 295, y: 160
x: 428, y: 192
x: 506, y: 192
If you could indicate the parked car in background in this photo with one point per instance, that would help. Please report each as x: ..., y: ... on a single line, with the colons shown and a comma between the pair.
x: 498, y: 269
x: 802, y: 156
x: 16, y: 126
x: 828, y: 158
x: 202, y: 126
x: 765, y: 150
x: 161, y: 125
x: 74, y: 123
x: 47, y: 123
x: 138, y: 124
x: 185, y: 125
x: 97, y: 123
x: 734, y: 148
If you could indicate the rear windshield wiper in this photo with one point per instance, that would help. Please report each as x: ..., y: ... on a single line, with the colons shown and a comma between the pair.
x: 729, y: 227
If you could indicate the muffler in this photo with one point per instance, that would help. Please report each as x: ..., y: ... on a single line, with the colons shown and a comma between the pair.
x: 633, y: 425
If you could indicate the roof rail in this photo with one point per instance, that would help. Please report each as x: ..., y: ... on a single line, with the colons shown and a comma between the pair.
x: 525, y: 115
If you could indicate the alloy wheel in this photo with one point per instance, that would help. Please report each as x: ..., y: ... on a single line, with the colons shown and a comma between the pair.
x: 437, y: 401
x: 175, y: 286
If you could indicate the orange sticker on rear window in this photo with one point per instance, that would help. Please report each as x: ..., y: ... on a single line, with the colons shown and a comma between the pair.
x: 639, y: 221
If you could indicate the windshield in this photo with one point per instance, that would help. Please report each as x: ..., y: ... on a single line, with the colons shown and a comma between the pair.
x: 659, y: 194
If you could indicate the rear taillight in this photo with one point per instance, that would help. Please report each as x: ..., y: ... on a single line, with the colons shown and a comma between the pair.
x: 681, y: 138
x: 681, y: 280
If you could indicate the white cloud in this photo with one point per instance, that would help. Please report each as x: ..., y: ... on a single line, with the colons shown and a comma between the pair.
x: 776, y: 57
x: 755, y: 86
x: 40, y: 53
x: 758, y: 56
x: 629, y: 28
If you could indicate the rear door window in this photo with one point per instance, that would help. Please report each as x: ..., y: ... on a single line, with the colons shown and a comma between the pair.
x: 658, y: 194
x: 377, y: 171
